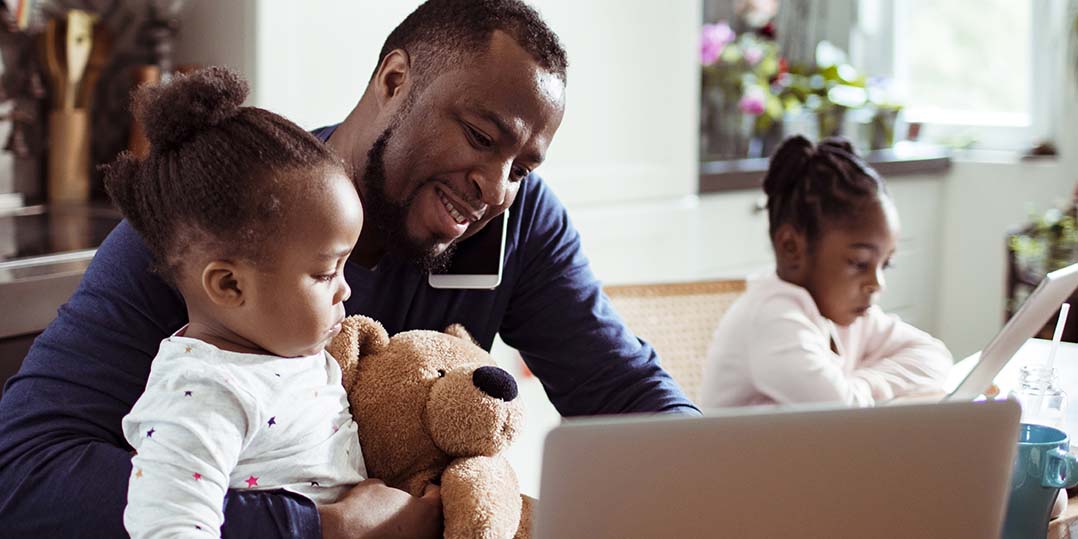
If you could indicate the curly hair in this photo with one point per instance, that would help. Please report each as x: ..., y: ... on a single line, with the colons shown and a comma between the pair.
x: 444, y: 33
x: 218, y: 174
x: 810, y: 185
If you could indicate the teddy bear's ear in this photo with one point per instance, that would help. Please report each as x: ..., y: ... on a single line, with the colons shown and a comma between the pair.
x: 371, y: 337
x: 459, y: 332
x: 359, y: 336
x: 343, y: 348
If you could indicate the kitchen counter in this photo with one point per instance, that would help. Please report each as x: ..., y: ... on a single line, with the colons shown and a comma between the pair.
x: 44, y: 251
x: 903, y: 160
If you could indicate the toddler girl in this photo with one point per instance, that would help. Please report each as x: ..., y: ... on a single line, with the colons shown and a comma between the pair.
x: 810, y: 331
x: 251, y: 219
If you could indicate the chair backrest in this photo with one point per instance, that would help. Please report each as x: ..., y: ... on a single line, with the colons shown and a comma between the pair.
x: 678, y: 319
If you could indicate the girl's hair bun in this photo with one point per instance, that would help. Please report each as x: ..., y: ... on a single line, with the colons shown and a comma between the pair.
x: 788, y: 165
x: 840, y: 143
x: 173, y: 112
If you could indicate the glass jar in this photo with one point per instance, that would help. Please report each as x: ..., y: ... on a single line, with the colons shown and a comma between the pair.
x: 1043, y: 401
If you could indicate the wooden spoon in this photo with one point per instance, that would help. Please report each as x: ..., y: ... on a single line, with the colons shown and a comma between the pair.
x: 99, y: 57
x: 53, y: 64
x: 80, y: 26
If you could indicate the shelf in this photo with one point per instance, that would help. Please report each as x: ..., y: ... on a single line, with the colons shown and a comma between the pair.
x: 905, y: 159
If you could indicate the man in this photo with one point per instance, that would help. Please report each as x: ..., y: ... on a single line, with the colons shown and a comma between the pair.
x: 464, y: 102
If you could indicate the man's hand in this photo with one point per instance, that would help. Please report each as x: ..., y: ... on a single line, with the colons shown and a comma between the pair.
x: 372, y: 509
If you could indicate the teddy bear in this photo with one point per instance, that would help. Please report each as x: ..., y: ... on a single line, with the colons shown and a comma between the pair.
x: 432, y: 407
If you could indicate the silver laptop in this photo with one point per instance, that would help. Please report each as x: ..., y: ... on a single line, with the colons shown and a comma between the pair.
x: 935, y: 470
x: 1037, y: 309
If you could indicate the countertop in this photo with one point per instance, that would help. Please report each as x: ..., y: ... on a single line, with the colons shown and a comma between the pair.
x: 902, y: 160
x: 44, y: 251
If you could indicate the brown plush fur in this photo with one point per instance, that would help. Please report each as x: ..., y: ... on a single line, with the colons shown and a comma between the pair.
x: 423, y: 420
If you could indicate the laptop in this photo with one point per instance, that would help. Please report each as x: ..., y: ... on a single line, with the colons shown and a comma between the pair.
x: 919, y: 470
x: 1038, y: 308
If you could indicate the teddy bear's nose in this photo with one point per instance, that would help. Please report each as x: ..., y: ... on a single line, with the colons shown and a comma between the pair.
x: 495, y: 382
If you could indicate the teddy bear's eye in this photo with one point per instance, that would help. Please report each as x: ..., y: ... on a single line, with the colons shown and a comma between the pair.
x: 441, y: 373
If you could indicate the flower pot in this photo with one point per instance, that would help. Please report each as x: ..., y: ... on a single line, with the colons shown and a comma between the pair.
x: 883, y: 129
x: 829, y: 121
x: 724, y: 133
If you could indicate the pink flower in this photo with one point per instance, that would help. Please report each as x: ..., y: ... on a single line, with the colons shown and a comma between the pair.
x: 713, y: 40
x: 753, y: 102
x: 753, y: 55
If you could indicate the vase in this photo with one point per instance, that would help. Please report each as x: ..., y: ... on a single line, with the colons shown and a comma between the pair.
x: 724, y: 132
x: 765, y: 142
x: 829, y: 121
x: 883, y: 129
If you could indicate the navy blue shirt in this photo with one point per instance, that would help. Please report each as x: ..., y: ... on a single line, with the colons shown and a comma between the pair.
x: 64, y: 463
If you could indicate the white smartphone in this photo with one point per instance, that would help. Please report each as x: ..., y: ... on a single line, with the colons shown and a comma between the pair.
x: 479, y: 259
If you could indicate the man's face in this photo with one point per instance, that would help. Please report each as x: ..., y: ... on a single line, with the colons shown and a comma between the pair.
x: 454, y: 158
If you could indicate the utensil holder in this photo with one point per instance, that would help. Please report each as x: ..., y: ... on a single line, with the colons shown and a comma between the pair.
x: 68, y: 156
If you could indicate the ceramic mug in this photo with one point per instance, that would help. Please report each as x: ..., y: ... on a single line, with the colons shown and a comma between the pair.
x: 1042, y: 466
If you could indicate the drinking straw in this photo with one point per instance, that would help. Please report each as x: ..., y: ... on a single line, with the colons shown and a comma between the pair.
x: 1058, y: 334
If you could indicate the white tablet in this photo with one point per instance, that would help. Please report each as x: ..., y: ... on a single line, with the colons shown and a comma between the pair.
x: 479, y: 259
x: 1038, y: 308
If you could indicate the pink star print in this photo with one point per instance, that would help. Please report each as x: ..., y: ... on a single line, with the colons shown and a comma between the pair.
x: 197, y: 476
x: 251, y: 481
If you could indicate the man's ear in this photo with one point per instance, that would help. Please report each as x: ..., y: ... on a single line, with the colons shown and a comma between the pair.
x: 223, y: 282
x: 392, y: 77
x: 791, y: 248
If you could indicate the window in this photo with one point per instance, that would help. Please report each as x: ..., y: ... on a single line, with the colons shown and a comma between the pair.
x: 981, y: 72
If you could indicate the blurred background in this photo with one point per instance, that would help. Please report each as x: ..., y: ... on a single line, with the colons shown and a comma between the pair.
x: 967, y: 107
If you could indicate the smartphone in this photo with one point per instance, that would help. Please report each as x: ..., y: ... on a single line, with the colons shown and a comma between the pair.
x: 479, y: 259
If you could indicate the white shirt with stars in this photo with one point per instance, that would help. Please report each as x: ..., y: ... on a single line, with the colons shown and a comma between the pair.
x: 211, y: 420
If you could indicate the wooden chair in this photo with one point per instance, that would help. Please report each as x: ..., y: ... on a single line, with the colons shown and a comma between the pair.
x: 678, y: 319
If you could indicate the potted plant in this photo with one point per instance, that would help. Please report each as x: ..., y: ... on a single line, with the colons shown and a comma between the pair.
x: 743, y: 97
x: 1048, y: 242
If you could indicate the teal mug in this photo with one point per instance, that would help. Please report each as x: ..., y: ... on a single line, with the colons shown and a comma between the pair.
x: 1042, y: 466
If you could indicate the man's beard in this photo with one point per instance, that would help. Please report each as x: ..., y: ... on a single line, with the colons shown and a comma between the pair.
x: 390, y: 218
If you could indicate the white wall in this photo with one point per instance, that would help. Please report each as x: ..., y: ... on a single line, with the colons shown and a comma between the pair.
x: 313, y: 64
x: 983, y: 201
x: 631, y: 123
x: 218, y: 33
x: 630, y: 128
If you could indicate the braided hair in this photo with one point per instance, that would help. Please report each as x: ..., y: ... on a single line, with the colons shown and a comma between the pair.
x: 217, y: 175
x: 809, y: 185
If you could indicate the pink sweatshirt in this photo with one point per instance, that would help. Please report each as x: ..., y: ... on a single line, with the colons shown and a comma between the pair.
x: 774, y: 346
